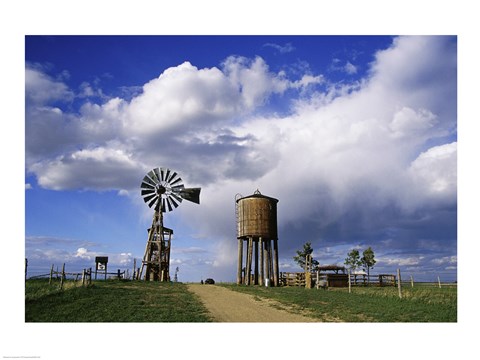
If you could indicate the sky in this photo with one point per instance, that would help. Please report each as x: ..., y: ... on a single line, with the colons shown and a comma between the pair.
x: 356, y: 136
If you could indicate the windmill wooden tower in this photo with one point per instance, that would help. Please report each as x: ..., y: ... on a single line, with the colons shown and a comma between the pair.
x: 162, y: 190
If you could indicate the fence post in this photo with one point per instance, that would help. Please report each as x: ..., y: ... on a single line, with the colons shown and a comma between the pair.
x: 399, y: 284
x: 63, y: 275
x: 349, y: 281
x: 51, y: 275
x: 411, y: 280
x: 439, y: 283
x: 26, y: 266
x: 134, y: 268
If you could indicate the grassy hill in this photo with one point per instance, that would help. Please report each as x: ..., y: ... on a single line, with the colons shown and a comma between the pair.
x: 112, y: 301
x: 422, y: 303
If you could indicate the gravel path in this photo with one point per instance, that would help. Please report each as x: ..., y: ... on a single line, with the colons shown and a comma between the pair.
x: 226, y: 305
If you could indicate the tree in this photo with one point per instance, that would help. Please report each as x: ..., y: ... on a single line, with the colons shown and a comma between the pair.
x: 353, y: 260
x: 368, y: 260
x: 302, y: 254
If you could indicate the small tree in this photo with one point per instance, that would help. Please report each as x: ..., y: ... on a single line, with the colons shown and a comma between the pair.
x: 353, y: 260
x: 368, y: 260
x: 302, y: 254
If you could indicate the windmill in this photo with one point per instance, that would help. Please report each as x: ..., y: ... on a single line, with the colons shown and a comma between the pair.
x: 175, y: 278
x: 162, y: 190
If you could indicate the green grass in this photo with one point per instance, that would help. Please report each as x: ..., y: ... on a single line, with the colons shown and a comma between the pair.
x: 365, y: 304
x: 112, y: 301
x: 138, y: 301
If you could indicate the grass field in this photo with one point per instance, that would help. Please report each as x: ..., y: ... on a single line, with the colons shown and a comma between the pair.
x: 112, y: 301
x: 128, y: 301
x: 366, y: 304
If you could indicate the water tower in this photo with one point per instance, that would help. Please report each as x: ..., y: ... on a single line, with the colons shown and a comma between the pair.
x: 257, y: 235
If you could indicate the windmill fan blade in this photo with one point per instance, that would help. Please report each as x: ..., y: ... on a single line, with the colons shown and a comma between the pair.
x: 167, y: 174
x: 147, y: 186
x: 177, y: 197
x: 179, y: 180
x: 155, y: 199
x: 150, y: 197
x: 153, y: 176
x: 147, y: 181
x: 190, y: 194
x: 169, y: 204
x: 157, y: 174
x: 148, y: 192
x: 173, y: 201
x: 169, y: 180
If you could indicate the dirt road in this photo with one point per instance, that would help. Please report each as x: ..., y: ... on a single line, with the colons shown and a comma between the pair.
x: 230, y: 306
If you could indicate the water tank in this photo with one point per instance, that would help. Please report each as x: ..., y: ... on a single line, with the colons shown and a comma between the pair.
x: 257, y: 216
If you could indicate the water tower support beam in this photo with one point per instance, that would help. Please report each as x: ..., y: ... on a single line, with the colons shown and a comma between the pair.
x: 249, y: 260
x: 267, y: 265
x: 255, y: 272
x: 270, y: 262
x: 275, y: 260
x: 240, y: 261
x: 262, y: 274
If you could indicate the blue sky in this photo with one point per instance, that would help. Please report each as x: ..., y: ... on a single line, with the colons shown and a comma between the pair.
x: 355, y: 135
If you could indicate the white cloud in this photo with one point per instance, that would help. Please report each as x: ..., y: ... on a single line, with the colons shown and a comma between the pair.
x: 435, y: 171
x: 253, y: 79
x: 96, y: 168
x: 407, y: 122
x: 350, y: 68
x: 83, y: 253
x: 283, y: 49
x: 448, y: 260
x: 409, y: 261
x: 184, y: 98
x: 40, y: 88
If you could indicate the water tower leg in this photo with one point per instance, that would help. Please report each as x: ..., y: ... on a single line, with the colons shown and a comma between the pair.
x: 275, y: 262
x: 255, y: 271
x: 267, y: 261
x: 270, y: 262
x: 240, y: 261
x: 262, y: 275
x: 249, y: 260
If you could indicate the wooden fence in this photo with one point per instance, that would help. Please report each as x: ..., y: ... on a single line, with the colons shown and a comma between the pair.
x: 292, y: 279
x: 85, y: 274
x: 336, y: 280
x: 61, y: 275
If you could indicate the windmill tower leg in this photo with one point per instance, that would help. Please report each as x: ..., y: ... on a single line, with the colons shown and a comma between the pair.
x: 156, y: 260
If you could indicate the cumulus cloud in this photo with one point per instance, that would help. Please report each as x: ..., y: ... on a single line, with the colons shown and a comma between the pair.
x: 41, y: 88
x: 96, y: 168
